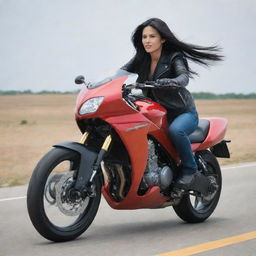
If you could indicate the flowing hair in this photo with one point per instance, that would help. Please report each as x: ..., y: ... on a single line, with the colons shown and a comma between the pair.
x: 198, y: 54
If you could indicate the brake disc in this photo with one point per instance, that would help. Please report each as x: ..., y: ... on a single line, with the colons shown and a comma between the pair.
x: 66, y: 204
x: 50, y: 188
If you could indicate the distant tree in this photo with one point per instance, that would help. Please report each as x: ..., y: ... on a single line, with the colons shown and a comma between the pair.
x: 27, y: 92
x: 209, y: 95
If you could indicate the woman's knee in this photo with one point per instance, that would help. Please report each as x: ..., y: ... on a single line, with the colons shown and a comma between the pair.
x: 176, y: 131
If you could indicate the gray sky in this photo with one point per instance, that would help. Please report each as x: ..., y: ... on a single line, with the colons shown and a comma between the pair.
x: 45, y: 44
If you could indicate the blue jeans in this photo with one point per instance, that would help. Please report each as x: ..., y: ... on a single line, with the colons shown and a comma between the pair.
x: 180, y: 128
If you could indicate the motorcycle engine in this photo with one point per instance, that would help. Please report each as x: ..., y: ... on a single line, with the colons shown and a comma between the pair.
x: 156, y: 174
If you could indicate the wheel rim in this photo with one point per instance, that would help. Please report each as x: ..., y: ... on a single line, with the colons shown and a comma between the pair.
x: 62, y: 210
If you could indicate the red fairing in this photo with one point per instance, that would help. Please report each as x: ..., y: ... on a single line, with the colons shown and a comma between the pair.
x: 153, y: 111
x: 136, y: 144
x: 112, y: 93
x: 217, y: 130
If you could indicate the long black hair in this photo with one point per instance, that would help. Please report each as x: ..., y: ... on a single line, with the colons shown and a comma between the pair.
x: 199, y: 54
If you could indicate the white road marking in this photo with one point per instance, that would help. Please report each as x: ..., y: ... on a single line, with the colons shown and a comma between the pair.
x: 12, y: 198
x: 239, y: 166
x: 222, y: 168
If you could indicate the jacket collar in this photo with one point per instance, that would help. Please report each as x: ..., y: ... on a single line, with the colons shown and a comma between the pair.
x: 164, y: 63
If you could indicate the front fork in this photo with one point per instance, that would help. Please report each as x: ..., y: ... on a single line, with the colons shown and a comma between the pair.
x: 95, y: 167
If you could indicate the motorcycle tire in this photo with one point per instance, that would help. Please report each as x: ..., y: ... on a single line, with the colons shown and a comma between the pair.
x: 199, y: 211
x: 36, y: 203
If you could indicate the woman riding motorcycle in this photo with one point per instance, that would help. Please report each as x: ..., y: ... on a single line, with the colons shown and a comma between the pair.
x: 161, y: 57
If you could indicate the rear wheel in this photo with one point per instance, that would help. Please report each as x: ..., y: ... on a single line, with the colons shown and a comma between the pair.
x: 195, y: 207
x: 56, y: 211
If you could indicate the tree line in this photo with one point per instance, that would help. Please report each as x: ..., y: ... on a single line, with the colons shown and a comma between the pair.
x: 209, y: 95
x: 196, y: 95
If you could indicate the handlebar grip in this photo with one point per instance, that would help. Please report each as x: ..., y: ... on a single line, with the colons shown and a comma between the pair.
x: 140, y: 85
x: 151, y: 83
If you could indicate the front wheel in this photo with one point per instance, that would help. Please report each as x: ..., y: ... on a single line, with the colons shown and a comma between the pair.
x: 194, y: 207
x: 55, y: 210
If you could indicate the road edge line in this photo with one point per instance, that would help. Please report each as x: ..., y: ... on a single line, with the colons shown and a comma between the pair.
x: 12, y: 198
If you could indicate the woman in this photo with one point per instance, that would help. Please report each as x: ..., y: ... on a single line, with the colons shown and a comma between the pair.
x: 161, y: 57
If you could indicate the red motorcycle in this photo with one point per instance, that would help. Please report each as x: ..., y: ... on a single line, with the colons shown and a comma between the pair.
x: 126, y: 155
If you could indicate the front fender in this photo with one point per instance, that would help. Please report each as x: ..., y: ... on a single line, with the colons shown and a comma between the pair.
x: 87, y: 160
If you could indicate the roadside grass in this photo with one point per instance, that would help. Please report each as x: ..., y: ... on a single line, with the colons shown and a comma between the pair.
x: 241, y: 126
x: 31, y: 124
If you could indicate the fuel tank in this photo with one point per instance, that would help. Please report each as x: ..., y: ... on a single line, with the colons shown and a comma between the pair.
x: 153, y: 111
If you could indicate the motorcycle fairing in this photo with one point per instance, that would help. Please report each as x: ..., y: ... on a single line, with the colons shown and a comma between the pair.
x: 138, y: 156
x: 216, y: 133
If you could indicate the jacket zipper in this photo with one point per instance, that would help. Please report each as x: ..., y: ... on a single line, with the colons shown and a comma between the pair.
x: 161, y: 74
x: 184, y: 102
x: 166, y: 69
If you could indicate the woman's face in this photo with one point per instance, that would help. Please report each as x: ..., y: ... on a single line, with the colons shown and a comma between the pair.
x: 151, y: 40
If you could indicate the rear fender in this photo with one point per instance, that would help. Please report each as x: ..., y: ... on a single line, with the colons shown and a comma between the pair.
x: 87, y: 160
x: 221, y: 149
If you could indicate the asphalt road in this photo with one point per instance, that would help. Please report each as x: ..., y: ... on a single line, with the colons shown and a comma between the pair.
x: 142, y: 232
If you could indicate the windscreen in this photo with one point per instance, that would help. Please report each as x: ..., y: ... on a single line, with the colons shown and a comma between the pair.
x: 132, y: 77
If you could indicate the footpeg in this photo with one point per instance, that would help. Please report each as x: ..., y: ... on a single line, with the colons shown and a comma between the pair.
x: 177, y: 193
x: 200, y: 184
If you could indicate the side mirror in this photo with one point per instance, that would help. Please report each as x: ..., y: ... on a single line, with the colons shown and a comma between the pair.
x: 79, y: 80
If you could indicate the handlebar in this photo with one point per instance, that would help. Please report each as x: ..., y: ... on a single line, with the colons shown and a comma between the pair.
x: 151, y: 84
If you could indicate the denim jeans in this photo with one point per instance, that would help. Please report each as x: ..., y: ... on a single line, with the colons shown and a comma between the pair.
x: 180, y: 128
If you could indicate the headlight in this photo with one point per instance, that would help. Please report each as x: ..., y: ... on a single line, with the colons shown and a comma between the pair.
x: 90, y: 105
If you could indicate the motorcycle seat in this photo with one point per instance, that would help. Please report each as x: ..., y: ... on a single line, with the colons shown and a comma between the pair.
x: 201, y: 131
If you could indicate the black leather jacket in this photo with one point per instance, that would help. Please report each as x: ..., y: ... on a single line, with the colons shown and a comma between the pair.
x: 173, y: 66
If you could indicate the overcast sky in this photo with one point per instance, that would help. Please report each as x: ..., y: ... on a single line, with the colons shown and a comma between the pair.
x: 45, y: 44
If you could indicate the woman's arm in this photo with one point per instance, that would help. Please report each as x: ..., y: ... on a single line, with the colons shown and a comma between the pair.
x: 181, y: 73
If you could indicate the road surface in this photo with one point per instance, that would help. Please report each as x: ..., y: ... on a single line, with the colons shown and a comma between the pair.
x: 231, y: 228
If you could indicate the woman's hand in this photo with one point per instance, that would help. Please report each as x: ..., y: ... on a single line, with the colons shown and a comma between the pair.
x: 166, y: 82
